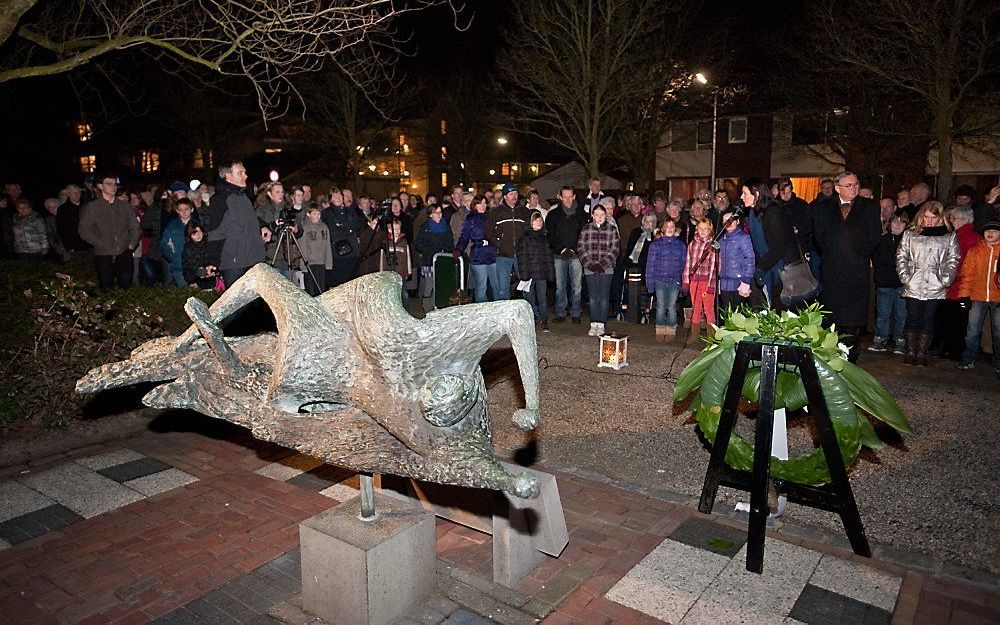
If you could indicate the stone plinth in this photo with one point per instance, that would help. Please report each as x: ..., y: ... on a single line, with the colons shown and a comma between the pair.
x: 367, y: 573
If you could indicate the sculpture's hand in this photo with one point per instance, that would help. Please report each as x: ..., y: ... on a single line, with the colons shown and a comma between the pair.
x: 526, y: 419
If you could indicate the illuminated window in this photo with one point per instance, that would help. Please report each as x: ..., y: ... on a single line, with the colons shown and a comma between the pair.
x: 402, y: 140
x: 272, y: 150
x: 534, y: 169
x: 505, y: 169
x: 444, y: 178
x: 149, y: 162
x: 198, y: 160
x: 84, y: 131
x: 88, y: 164
x: 444, y: 127
x: 444, y: 153
x: 402, y: 165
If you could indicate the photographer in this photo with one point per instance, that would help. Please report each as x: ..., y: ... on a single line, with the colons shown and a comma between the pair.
x: 273, y: 210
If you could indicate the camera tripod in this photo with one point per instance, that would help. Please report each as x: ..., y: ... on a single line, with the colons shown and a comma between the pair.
x: 284, y: 243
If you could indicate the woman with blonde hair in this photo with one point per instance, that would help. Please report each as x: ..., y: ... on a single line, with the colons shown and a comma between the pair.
x: 927, y: 262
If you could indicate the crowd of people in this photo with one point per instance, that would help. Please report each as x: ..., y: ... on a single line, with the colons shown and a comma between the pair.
x: 932, y: 266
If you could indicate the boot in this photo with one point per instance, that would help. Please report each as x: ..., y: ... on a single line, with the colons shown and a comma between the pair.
x: 600, y: 329
x: 910, y: 353
x: 923, y: 347
x: 671, y: 332
x: 593, y: 329
x: 687, y: 317
x: 661, y: 333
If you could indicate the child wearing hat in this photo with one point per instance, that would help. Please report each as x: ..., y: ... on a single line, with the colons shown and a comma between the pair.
x: 980, y: 287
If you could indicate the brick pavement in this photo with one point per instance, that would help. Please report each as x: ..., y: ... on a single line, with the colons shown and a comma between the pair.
x: 197, y: 547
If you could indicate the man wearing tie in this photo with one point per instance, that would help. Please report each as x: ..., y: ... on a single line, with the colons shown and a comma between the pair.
x: 847, y: 228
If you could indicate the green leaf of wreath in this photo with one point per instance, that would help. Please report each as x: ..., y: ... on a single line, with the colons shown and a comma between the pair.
x: 872, y: 398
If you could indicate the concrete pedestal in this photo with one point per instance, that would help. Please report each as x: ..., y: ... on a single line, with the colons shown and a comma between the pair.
x: 367, y: 573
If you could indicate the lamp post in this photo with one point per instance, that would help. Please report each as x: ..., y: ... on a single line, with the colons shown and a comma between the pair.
x: 703, y: 79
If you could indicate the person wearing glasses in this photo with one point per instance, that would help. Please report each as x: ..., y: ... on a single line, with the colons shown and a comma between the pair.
x: 847, y: 229
x: 110, y: 226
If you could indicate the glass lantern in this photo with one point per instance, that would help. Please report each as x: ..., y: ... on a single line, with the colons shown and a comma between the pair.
x: 614, y: 351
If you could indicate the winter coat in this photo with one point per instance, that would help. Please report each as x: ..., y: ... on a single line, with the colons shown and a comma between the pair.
x: 736, y: 260
x: 665, y: 263
x: 172, y: 243
x: 29, y: 234
x: 627, y: 224
x: 240, y: 233
x: 226, y: 195
x: 196, y: 256
x: 701, y: 265
x: 779, y: 239
x: 968, y: 238
x: 798, y: 215
x: 55, y: 242
x: 457, y: 221
x: 505, y: 225
x: 884, y: 261
x: 345, y: 224
x: 598, y: 248
x: 473, y: 234
x: 68, y: 225
x: 927, y: 262
x: 370, y: 243
x: 431, y: 241
x: 534, y: 258
x: 395, y: 256
x: 978, y: 277
x: 846, y: 247
x: 639, y: 266
x: 314, y: 241
x: 111, y: 227
x: 564, y: 229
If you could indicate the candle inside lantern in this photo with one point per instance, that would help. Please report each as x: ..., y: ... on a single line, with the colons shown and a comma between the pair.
x: 613, y: 351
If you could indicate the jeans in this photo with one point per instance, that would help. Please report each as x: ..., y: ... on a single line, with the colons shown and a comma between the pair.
x: 177, y: 277
x: 536, y: 297
x: 569, y: 274
x: 889, y: 306
x: 481, y: 275
x: 974, y: 331
x: 149, y: 271
x: 505, y: 267
x: 920, y: 314
x: 666, y: 303
x: 599, y: 285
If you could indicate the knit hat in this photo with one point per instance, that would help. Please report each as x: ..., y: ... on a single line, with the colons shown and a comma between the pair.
x: 508, y: 187
x: 177, y: 186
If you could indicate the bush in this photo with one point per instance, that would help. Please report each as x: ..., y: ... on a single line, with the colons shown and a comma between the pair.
x: 56, y: 325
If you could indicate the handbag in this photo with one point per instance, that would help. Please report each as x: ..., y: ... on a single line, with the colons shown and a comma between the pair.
x: 798, y: 284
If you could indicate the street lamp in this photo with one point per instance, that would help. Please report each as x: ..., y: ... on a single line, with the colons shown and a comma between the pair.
x: 502, y: 140
x: 703, y: 79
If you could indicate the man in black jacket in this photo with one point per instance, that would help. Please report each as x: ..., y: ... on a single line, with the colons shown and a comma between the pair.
x: 505, y: 224
x: 564, y: 223
x: 234, y: 223
x: 345, y: 224
x: 799, y: 214
x: 847, y: 229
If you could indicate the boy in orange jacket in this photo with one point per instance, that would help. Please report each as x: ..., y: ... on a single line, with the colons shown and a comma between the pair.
x: 979, y: 286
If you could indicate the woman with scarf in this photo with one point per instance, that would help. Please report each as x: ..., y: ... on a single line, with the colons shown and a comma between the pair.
x: 434, y: 237
x: 635, y: 253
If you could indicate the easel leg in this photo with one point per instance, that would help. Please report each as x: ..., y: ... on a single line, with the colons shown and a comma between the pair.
x: 841, y: 485
x: 762, y: 459
x: 727, y: 421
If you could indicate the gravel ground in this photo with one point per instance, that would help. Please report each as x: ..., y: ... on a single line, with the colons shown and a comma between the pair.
x: 933, y: 492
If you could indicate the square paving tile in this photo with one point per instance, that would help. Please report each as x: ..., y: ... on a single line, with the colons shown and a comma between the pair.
x: 341, y: 492
x: 32, y: 524
x: 81, y: 490
x: 705, y: 534
x: 163, y: 481
x: 134, y: 469
x: 110, y: 459
x: 17, y: 499
x: 739, y: 596
x: 857, y: 581
x: 818, y: 606
x: 669, y: 580
x: 288, y: 467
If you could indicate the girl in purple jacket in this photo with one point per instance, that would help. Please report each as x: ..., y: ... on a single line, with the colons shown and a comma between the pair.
x: 664, y: 270
x: 736, y: 266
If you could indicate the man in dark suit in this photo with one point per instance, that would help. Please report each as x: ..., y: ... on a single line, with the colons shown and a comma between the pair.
x: 846, y: 228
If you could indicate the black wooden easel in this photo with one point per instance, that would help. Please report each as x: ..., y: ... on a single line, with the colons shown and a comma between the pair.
x: 834, y: 497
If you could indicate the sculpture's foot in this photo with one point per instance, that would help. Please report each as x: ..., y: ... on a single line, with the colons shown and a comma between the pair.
x: 526, y: 486
x: 526, y: 419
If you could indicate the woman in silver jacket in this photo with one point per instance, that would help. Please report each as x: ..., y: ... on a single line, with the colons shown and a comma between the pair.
x: 926, y: 261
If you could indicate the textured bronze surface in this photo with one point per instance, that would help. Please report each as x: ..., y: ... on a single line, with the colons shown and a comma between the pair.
x: 350, y: 377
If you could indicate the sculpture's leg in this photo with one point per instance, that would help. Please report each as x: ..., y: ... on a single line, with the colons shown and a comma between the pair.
x: 261, y: 281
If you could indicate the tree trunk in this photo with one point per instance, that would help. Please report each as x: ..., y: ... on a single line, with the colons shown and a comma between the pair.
x: 946, y: 159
